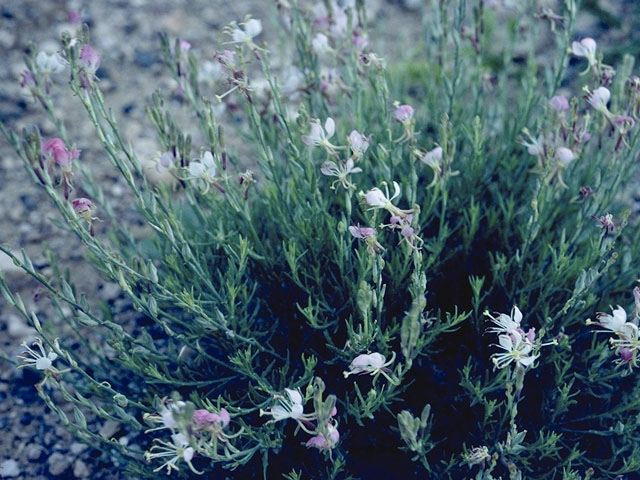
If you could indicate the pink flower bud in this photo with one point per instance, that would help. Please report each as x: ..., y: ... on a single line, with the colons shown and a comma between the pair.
x: 82, y: 205
x: 626, y: 354
x: 403, y: 113
x: 407, y: 232
x: 74, y: 17
x: 560, y: 103
x: 89, y: 59
x: 57, y: 150
x: 362, y: 232
x: 324, y: 443
x: 27, y: 79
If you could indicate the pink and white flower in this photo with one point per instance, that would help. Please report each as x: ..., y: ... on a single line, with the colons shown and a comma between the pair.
x: 560, y: 103
x: 56, y: 150
x: 322, y: 442
x: 517, y: 349
x: 403, y: 113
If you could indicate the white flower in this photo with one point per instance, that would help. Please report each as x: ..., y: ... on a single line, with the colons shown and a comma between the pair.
x: 287, y: 407
x: 517, y: 348
x: 293, y: 81
x: 53, y: 63
x: 372, y: 364
x: 376, y: 199
x: 433, y: 158
x: 204, y: 167
x: 252, y: 28
x: 506, y: 323
x: 39, y: 359
x: 358, y: 142
x: 599, y: 99
x: 332, y: 169
x: 535, y: 146
x: 319, y: 136
x: 585, y: 48
x: 320, y: 44
x: 564, y: 155
x: 167, y: 412
x: 613, y: 322
x: 179, y: 450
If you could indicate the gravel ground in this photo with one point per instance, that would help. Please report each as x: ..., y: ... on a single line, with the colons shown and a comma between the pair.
x: 34, y: 445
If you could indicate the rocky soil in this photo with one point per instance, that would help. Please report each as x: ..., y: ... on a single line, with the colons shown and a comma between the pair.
x: 34, y: 445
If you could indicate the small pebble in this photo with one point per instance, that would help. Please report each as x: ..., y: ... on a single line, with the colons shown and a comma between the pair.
x: 77, y: 448
x: 9, y: 468
x: 80, y: 469
x: 33, y: 452
x: 58, y: 464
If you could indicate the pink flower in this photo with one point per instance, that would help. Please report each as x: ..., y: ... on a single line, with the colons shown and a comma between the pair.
x: 27, y: 79
x: 433, y: 158
x: 362, y: 232
x: 606, y: 222
x: 403, y: 113
x: 74, y: 17
x: 82, y: 205
x: 626, y: 355
x: 560, y: 103
x: 89, y: 59
x: 325, y: 443
x: 56, y: 149
x: 204, y: 419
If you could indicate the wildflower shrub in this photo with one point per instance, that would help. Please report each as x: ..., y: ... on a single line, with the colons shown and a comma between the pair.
x: 413, y: 279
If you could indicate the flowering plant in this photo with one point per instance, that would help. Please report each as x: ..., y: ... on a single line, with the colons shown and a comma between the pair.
x: 310, y: 295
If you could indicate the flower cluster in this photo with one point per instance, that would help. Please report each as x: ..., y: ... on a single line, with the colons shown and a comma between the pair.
x: 626, y: 341
x: 400, y: 220
x: 290, y: 405
x: 519, y: 347
x: 192, y: 432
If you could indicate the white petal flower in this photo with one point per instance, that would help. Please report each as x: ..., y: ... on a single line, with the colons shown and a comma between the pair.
x: 319, y: 136
x: 320, y: 44
x: 53, y: 63
x: 564, y: 155
x: 433, y: 158
x: 358, y: 142
x: 252, y: 28
x: 599, y: 99
x: 585, y: 48
x: 287, y: 407
x: 613, y: 322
